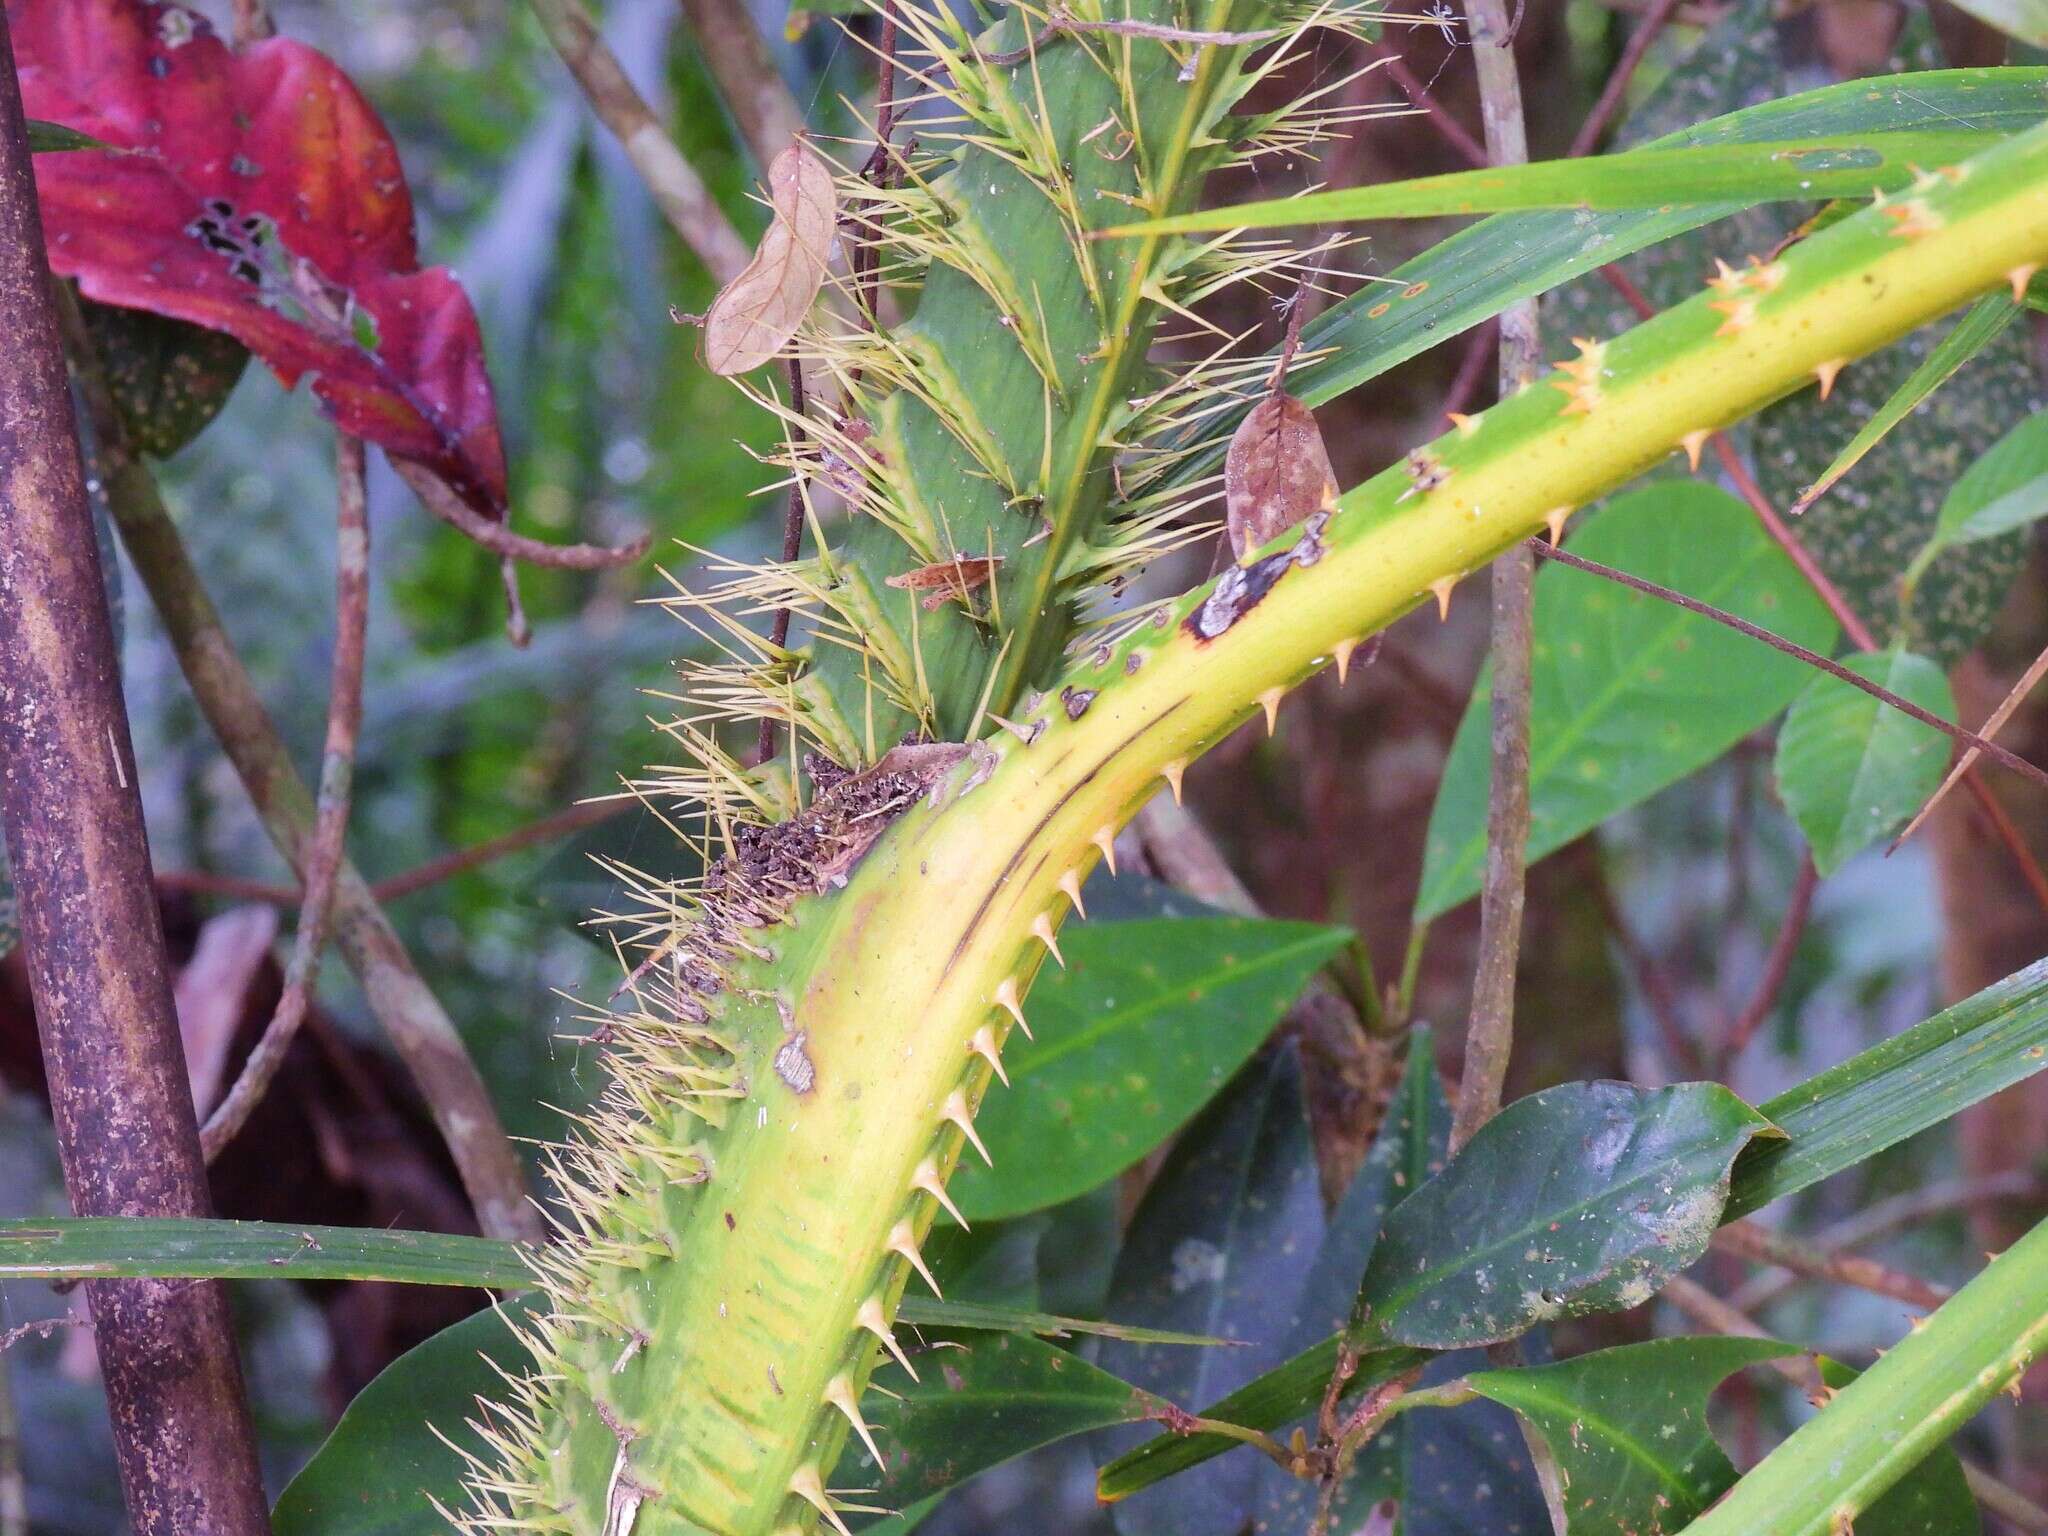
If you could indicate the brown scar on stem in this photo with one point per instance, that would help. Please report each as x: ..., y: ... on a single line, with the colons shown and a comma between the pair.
x: 1243, y: 587
x: 1076, y: 701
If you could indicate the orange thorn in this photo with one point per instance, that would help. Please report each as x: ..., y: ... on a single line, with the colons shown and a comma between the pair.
x: 839, y: 1393
x: 1105, y: 839
x: 1554, y: 521
x: 1342, y: 651
x: 1443, y: 588
x: 1828, y: 372
x: 1070, y: 887
x: 870, y: 1318
x: 1172, y: 773
x: 1466, y: 425
x: 927, y: 1179
x: 1041, y: 930
x: 956, y: 1112
x: 984, y: 1045
x: 903, y: 1243
x: 1270, y: 702
x: 1693, y: 442
x: 2020, y: 276
x: 1006, y: 999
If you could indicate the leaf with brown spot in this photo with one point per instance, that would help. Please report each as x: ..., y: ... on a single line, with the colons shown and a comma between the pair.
x: 948, y: 579
x: 1276, y: 473
x: 756, y: 313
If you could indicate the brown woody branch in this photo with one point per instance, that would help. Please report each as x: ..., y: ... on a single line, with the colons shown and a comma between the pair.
x: 90, y: 929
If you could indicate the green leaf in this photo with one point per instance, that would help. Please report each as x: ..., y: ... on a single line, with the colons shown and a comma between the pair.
x: 46, y: 138
x: 977, y: 1403
x: 1221, y: 1244
x: 1983, y: 324
x: 1582, y: 1198
x: 1877, y: 1099
x: 2005, y: 489
x: 1934, y: 1499
x: 1628, y: 1427
x: 1630, y: 694
x: 2026, y: 20
x: 1795, y: 170
x: 169, y: 378
x: 89, y: 1247
x: 1146, y: 1023
x: 1851, y: 768
x: 378, y: 1472
x: 1479, y: 272
x: 1833, y: 1121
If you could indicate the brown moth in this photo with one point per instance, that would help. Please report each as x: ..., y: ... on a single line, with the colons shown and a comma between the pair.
x: 948, y: 579
x: 1275, y: 474
x: 756, y: 313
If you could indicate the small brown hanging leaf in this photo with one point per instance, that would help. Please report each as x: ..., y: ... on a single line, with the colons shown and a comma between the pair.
x: 1276, y: 473
x: 756, y: 313
x: 948, y: 579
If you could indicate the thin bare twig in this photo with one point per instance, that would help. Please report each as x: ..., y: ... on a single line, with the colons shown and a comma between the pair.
x: 1454, y: 133
x: 1814, y: 659
x: 676, y: 187
x: 1465, y: 383
x: 400, y: 1000
x: 2036, y: 669
x: 1490, y: 1033
x: 1760, y: 1245
x: 439, y: 498
x: 734, y: 51
x: 330, y: 823
x: 91, y: 936
x: 1653, y: 22
x: 1777, y: 965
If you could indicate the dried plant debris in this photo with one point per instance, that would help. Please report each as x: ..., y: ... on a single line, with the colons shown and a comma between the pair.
x: 757, y: 313
x: 1276, y: 474
x: 945, y: 580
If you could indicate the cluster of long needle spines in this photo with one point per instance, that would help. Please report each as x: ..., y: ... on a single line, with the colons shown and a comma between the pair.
x: 1005, y: 422
x: 797, y: 1081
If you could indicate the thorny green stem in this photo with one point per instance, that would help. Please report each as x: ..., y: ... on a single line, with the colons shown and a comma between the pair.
x: 330, y: 823
x: 411, y: 1015
x: 1490, y: 1033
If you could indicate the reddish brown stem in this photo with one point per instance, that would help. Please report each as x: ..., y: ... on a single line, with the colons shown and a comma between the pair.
x: 330, y: 821
x: 1649, y: 975
x: 1653, y: 22
x: 440, y: 499
x: 1760, y: 1245
x: 90, y: 930
x: 1777, y: 966
x: 1455, y: 133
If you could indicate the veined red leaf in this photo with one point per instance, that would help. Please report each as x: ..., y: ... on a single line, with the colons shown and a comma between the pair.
x: 1276, y: 473
x: 261, y: 196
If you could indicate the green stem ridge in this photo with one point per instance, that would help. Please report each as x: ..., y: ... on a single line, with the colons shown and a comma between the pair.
x: 800, y: 1068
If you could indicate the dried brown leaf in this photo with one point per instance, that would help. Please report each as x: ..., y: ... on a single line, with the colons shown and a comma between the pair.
x: 756, y: 313
x: 1276, y: 474
x: 948, y: 579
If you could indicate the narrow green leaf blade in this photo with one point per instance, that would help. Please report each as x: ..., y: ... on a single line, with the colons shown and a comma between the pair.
x: 1582, y: 1198
x: 1630, y: 694
x: 92, y: 1247
x: 1985, y: 321
x: 1811, y: 169
x: 1628, y: 1427
x: 1851, y: 768
x: 1148, y: 1020
x: 974, y: 1406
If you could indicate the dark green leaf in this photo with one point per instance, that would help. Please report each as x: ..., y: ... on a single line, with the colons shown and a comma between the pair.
x: 1851, y: 768
x: 169, y: 377
x: 1407, y: 1152
x: 979, y: 1401
x: 1799, y: 170
x: 1934, y: 1499
x: 1466, y: 1469
x: 1582, y: 1198
x: 1220, y: 1245
x: 86, y: 1247
x: 46, y: 138
x: 1630, y: 694
x: 2005, y: 489
x: 1628, y: 1427
x: 1834, y: 1121
x: 1985, y: 322
x: 379, y: 1469
x: 1877, y: 1099
x: 1148, y: 1020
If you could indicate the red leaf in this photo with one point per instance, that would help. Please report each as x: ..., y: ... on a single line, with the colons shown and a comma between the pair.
x: 266, y: 201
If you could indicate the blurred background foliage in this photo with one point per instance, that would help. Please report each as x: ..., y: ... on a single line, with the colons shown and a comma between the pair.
x: 1645, y: 937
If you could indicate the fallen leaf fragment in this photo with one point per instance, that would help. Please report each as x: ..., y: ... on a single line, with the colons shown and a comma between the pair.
x: 756, y: 313
x: 1276, y: 473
